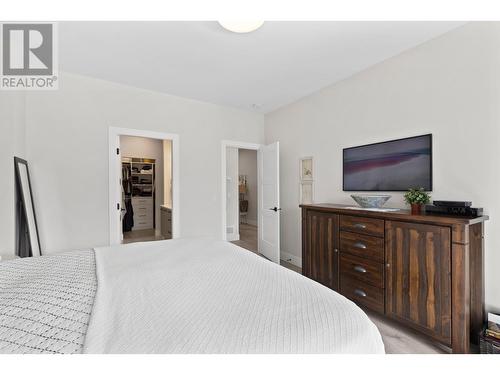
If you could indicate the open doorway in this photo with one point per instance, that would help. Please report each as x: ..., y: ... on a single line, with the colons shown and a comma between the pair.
x: 242, y: 198
x: 143, y: 186
x: 146, y: 189
x: 240, y: 195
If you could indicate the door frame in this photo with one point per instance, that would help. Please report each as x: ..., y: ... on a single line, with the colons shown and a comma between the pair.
x: 239, y: 145
x: 114, y: 134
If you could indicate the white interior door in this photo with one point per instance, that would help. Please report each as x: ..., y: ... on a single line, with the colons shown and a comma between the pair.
x: 269, y: 202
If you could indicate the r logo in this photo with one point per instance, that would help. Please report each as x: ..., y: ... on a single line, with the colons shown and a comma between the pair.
x: 27, y: 49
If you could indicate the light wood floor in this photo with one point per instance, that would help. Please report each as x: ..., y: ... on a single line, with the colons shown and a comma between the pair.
x: 248, y: 240
x: 248, y: 237
x: 401, y: 340
x: 140, y: 236
x: 397, y: 338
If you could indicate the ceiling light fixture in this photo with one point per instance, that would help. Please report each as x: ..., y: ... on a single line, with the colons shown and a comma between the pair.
x: 241, y: 27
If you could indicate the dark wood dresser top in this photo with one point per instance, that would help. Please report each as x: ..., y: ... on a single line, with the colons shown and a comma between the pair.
x: 402, y: 215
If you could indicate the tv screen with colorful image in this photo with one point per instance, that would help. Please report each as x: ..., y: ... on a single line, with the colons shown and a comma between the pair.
x: 389, y: 166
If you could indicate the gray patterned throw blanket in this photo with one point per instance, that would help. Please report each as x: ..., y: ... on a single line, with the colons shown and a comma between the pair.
x: 46, y: 302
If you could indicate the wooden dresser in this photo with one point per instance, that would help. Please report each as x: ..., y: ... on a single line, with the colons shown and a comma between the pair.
x: 421, y: 270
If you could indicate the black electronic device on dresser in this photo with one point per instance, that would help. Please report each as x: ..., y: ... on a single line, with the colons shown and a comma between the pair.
x: 452, y: 203
x: 454, y: 208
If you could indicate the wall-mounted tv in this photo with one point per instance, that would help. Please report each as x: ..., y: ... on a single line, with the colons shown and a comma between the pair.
x: 389, y: 166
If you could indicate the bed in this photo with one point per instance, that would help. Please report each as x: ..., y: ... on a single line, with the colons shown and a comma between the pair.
x: 176, y: 296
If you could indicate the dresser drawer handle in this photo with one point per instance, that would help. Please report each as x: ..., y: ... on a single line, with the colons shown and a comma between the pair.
x: 359, y: 269
x: 359, y: 245
x: 360, y: 293
x: 360, y: 226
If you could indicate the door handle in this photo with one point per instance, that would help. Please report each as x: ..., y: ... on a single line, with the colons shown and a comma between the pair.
x: 275, y: 209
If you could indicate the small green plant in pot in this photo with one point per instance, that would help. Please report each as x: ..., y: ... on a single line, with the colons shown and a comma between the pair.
x: 416, y: 198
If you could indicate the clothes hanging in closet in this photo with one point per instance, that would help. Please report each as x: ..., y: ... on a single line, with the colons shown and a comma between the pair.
x: 127, y: 183
x: 128, y: 219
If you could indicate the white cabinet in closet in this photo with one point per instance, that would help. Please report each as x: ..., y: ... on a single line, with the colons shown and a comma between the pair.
x: 143, y: 213
x: 166, y: 222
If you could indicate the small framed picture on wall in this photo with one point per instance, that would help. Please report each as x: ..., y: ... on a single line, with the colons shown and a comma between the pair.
x: 306, y: 169
x: 306, y: 180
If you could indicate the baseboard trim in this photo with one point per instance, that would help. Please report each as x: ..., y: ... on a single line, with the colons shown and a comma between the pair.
x: 287, y: 257
x: 232, y: 237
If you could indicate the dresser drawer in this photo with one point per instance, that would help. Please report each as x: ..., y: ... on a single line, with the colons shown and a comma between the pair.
x: 363, y: 225
x: 362, y: 293
x: 142, y: 202
x: 142, y: 224
x: 143, y: 216
x: 367, y: 271
x: 362, y: 245
x: 143, y: 209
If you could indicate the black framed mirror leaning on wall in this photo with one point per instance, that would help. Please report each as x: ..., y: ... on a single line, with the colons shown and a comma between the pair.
x: 27, y: 239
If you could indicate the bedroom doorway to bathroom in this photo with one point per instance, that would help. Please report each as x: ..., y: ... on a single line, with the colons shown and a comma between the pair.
x: 143, y: 181
x: 250, y: 197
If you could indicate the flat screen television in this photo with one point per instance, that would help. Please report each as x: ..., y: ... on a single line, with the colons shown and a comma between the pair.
x: 389, y: 166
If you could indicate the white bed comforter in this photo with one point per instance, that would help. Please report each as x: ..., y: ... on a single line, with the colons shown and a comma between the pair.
x: 202, y: 296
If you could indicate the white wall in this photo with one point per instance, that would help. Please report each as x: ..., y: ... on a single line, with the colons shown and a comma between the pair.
x: 67, y: 146
x: 449, y: 86
x: 247, y: 165
x: 11, y: 144
x: 232, y: 202
x: 140, y: 147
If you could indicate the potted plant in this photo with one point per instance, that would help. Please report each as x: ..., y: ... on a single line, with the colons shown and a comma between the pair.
x: 417, y: 198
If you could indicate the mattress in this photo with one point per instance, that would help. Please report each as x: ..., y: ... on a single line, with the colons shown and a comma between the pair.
x: 190, y: 296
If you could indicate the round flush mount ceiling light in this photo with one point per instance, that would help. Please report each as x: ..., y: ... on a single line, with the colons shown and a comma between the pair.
x: 241, y: 27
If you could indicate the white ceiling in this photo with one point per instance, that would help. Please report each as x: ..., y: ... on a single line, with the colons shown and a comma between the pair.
x: 261, y: 71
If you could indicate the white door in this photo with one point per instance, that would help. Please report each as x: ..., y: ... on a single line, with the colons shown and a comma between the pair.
x: 269, y: 202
